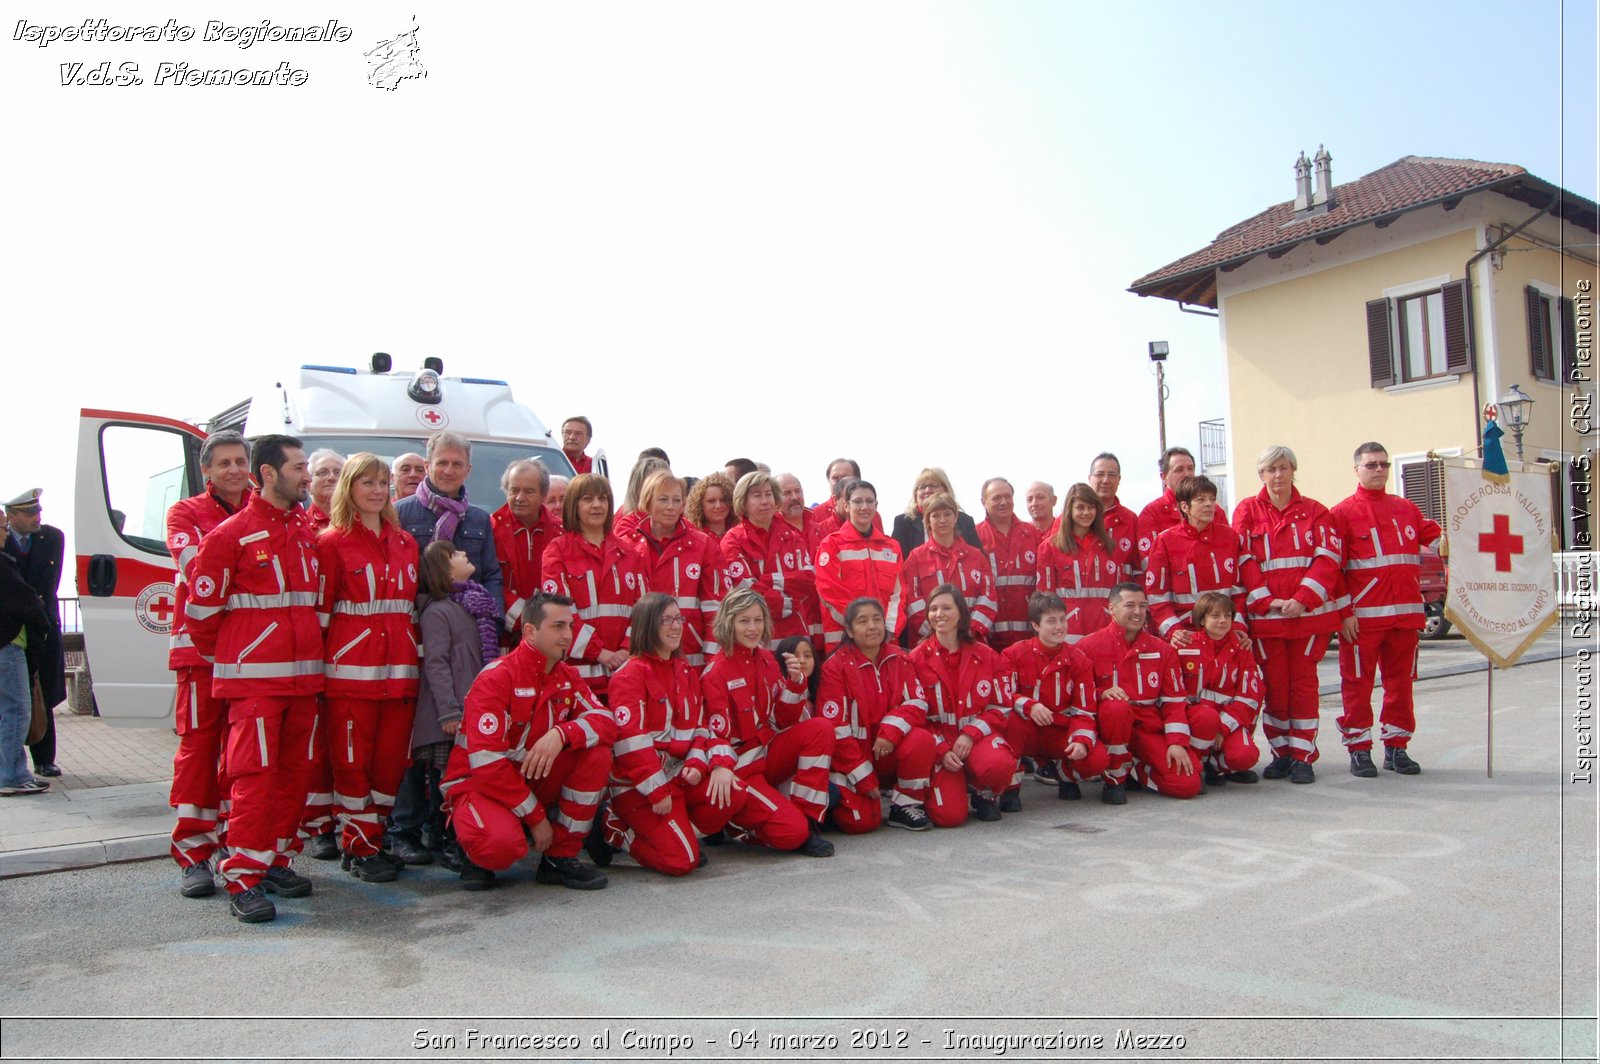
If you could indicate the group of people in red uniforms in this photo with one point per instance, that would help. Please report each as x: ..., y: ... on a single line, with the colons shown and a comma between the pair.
x: 759, y: 673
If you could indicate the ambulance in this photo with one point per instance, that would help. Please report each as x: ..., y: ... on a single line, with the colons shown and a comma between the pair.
x: 133, y: 467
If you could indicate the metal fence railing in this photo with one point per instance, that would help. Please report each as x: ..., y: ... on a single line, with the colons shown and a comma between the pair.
x: 1213, y: 443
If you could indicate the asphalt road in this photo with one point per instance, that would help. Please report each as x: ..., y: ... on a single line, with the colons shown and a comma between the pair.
x: 1446, y: 915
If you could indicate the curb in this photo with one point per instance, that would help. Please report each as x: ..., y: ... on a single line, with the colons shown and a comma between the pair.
x: 82, y: 855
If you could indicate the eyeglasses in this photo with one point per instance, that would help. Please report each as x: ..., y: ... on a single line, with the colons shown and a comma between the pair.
x: 1376, y: 465
x: 672, y: 622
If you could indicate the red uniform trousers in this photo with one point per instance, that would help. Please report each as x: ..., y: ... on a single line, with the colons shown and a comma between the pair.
x: 198, y: 783
x: 317, y: 818
x: 906, y: 773
x: 1030, y: 740
x: 269, y: 759
x: 990, y: 766
x: 1291, y: 705
x: 767, y: 816
x: 667, y: 843
x: 798, y: 761
x: 1233, y: 725
x: 495, y: 838
x: 1394, y: 650
x: 1148, y: 746
x: 1114, y: 721
x: 371, y: 741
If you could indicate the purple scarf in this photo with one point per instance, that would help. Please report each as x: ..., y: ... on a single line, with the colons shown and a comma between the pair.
x: 450, y: 511
x: 476, y: 600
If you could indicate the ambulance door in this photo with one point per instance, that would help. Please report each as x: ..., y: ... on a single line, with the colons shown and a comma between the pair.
x: 131, y: 468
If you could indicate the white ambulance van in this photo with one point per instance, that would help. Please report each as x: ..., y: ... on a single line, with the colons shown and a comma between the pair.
x: 133, y: 467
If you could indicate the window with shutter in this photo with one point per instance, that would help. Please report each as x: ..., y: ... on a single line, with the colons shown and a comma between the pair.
x: 1540, y: 362
x: 1457, y: 327
x: 1380, y: 349
x: 1568, y: 349
x: 1422, y: 482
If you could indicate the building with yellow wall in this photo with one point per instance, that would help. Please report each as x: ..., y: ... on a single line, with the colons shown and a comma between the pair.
x: 1395, y: 307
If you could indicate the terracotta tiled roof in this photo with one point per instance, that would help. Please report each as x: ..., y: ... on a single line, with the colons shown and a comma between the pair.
x: 1404, y: 185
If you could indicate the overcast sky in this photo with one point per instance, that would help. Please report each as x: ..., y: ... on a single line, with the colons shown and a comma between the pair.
x: 897, y: 231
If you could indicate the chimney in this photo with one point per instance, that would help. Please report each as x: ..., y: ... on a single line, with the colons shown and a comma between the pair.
x: 1324, y: 167
x: 1302, y: 184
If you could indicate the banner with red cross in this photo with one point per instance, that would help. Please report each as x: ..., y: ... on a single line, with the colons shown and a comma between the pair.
x: 1500, y: 533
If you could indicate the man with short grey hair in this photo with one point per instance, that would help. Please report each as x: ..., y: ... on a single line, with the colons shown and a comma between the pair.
x: 553, y: 496
x: 522, y: 530
x: 1041, y: 503
x: 325, y: 464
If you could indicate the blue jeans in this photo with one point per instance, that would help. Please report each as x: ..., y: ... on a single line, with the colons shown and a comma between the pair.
x: 16, y: 713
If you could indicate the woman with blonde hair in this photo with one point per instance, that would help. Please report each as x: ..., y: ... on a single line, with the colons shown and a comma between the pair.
x: 630, y: 515
x: 946, y: 559
x: 767, y: 553
x: 600, y: 573
x: 710, y: 505
x: 368, y: 566
x: 680, y: 561
x: 909, y: 528
x: 748, y: 696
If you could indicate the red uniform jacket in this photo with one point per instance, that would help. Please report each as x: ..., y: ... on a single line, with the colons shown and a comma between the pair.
x: 369, y: 591
x: 316, y: 519
x: 520, y: 550
x: 1147, y: 670
x: 960, y: 564
x: 512, y: 704
x: 967, y: 691
x: 188, y: 522
x: 604, y: 581
x: 1061, y: 680
x: 1014, y: 560
x: 626, y: 524
x: 1155, y: 519
x: 1082, y: 581
x: 688, y: 566
x: 777, y: 564
x: 1123, y: 526
x: 253, y: 605
x: 852, y: 566
x: 581, y: 463
x: 1299, y: 554
x: 1185, y: 562
x: 871, y: 700
x: 748, y: 700
x: 810, y: 530
x: 1221, y: 672
x: 1383, y: 538
x: 661, y: 726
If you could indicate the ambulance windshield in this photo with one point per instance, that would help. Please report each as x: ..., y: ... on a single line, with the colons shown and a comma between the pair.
x: 489, y: 460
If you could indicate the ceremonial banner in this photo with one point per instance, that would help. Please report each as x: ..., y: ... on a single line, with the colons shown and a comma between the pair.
x: 1499, y: 529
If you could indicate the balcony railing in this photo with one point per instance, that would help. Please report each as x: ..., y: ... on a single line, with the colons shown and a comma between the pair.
x: 1213, y: 443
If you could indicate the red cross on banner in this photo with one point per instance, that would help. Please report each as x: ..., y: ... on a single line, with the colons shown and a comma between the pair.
x: 1500, y: 543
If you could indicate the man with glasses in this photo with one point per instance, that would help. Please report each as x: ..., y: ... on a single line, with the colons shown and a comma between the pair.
x: 1383, y: 538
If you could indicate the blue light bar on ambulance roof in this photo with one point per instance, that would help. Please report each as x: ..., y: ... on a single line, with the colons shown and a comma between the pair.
x: 332, y: 369
x: 483, y: 380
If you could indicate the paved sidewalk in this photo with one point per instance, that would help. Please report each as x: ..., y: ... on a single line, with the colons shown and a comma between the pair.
x: 111, y: 803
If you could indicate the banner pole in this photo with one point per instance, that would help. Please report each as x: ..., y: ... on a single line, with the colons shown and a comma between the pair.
x: 1489, y: 698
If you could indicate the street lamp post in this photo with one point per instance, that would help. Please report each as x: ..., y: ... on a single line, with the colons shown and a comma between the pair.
x: 1517, y: 407
x: 1158, y: 355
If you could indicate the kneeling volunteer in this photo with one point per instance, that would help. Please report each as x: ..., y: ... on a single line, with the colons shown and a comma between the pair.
x: 1138, y: 675
x: 668, y: 776
x: 1062, y: 724
x: 871, y: 694
x: 967, y: 712
x: 533, y: 737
